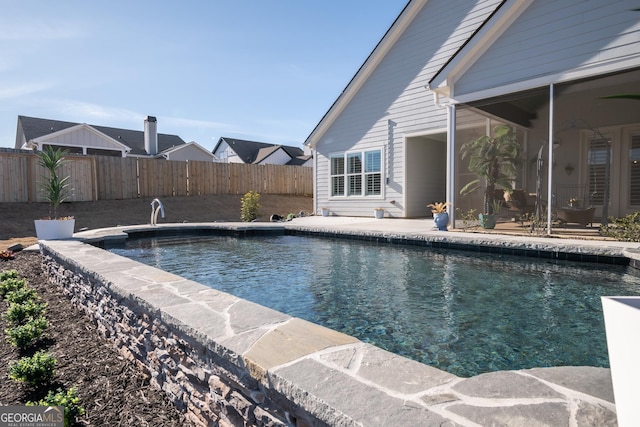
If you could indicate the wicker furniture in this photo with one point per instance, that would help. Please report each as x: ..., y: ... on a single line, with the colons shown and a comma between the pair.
x: 520, y: 202
x: 576, y: 215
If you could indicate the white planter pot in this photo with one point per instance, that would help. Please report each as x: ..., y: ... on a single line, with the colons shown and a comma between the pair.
x: 378, y: 213
x: 54, y: 229
x: 622, y: 321
x: 325, y: 211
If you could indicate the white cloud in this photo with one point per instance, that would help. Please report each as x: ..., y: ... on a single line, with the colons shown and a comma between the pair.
x: 22, y: 90
x: 85, y: 112
x: 12, y: 31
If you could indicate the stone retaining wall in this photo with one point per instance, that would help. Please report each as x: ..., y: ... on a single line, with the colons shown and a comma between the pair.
x: 196, y: 379
x: 230, y: 362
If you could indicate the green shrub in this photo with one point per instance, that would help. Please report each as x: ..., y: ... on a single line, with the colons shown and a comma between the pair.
x: 626, y: 229
x: 21, y: 295
x: 11, y: 284
x: 36, y: 370
x: 8, y: 274
x: 469, y: 218
x: 250, y: 206
x: 69, y: 400
x: 19, y: 313
x: 28, y: 334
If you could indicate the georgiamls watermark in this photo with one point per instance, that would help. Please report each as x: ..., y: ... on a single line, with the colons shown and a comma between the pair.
x: 31, y: 416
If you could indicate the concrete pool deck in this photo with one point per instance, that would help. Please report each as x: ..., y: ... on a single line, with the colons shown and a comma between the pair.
x: 353, y: 383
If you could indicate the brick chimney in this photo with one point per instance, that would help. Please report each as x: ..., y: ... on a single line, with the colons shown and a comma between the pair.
x: 151, y: 135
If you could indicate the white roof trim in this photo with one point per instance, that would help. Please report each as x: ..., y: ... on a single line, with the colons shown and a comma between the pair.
x: 444, y: 82
x: 45, y: 139
x: 405, y: 18
x: 182, y: 146
x: 628, y: 62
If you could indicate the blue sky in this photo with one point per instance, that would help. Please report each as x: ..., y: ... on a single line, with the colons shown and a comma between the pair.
x: 263, y: 70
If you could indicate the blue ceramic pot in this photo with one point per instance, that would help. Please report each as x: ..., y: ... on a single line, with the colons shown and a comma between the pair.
x: 441, y: 220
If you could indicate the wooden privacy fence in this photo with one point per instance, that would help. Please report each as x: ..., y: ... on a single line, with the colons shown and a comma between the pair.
x: 21, y: 177
x: 112, y: 178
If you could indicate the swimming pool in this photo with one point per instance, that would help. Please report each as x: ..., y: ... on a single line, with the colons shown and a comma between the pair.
x: 466, y: 313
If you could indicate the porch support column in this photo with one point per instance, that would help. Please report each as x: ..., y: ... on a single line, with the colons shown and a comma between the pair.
x: 451, y: 161
x: 550, y: 162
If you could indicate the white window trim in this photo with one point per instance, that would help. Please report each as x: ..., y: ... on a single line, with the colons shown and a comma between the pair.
x: 363, y: 173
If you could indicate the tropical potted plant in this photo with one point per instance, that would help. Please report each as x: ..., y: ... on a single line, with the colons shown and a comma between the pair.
x: 440, y: 215
x: 494, y: 160
x: 56, y: 190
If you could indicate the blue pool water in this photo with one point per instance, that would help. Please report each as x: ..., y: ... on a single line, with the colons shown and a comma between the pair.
x: 465, y: 313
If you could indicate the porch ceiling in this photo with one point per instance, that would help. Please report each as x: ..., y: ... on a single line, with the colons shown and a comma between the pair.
x: 519, y: 108
x: 522, y: 108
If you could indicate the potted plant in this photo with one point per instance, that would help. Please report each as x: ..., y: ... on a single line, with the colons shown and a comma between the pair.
x: 325, y: 211
x: 487, y: 220
x: 494, y: 160
x: 440, y: 215
x: 55, y: 190
x: 378, y: 213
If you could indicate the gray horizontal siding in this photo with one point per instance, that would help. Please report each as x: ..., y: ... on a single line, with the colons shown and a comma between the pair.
x: 83, y: 137
x: 552, y: 37
x: 396, y: 91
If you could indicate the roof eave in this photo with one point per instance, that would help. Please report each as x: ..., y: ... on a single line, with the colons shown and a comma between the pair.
x: 406, y: 16
x: 44, y: 139
x: 477, y: 44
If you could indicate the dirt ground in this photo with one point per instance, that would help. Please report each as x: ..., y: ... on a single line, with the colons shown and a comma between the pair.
x: 16, y: 219
x: 112, y: 390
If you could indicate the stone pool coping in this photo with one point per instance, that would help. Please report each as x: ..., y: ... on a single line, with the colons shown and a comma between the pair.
x: 337, y: 379
x: 407, y: 231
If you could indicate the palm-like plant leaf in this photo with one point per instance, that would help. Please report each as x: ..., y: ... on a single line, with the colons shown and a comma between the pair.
x: 55, y: 189
x: 494, y: 160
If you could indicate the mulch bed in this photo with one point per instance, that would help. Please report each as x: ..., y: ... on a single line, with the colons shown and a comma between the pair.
x: 112, y: 390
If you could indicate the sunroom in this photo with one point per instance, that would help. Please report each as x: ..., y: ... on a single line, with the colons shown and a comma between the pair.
x: 564, y: 79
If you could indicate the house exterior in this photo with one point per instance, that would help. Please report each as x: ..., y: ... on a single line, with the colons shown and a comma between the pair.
x: 231, y: 150
x: 447, y: 72
x: 34, y: 133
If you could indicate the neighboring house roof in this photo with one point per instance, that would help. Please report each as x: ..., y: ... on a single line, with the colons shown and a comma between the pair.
x: 170, y: 152
x: 265, y: 152
x: 33, y: 128
x: 247, y: 151
x: 301, y: 160
x: 257, y: 152
x: 293, y: 151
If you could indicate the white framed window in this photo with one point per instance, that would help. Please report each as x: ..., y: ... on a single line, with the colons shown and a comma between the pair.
x: 337, y: 175
x: 597, y: 169
x: 356, y: 173
x: 373, y: 173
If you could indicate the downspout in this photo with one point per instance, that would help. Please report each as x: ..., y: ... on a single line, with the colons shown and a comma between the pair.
x: 451, y: 128
x: 550, y: 162
x: 450, y: 178
x: 314, y: 156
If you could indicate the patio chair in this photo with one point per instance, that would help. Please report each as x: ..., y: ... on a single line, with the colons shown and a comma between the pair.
x: 519, y: 202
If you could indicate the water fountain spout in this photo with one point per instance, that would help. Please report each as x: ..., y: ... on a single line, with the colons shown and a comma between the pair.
x: 154, y: 211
